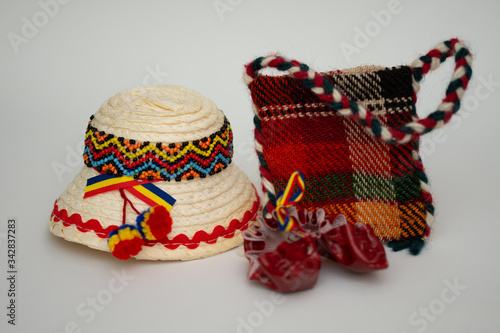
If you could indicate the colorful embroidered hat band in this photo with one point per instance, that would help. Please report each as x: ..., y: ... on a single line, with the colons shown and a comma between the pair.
x: 158, y: 182
x: 156, y: 160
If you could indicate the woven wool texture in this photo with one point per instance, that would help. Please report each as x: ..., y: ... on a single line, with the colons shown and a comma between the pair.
x: 350, y: 172
x: 347, y: 171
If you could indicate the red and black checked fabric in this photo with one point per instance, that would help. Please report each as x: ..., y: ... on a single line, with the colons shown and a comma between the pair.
x: 347, y: 171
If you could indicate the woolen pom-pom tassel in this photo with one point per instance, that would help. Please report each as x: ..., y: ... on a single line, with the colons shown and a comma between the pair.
x: 154, y: 223
x: 125, y: 242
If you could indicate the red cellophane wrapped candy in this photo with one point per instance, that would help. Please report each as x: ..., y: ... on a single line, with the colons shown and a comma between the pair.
x: 289, y: 261
x: 281, y: 260
x: 353, y: 245
x: 292, y: 266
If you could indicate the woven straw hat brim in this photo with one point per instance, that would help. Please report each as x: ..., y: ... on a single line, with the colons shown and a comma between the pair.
x: 202, y: 205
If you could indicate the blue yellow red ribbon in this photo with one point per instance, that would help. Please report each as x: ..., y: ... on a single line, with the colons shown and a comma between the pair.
x: 145, y: 191
x: 289, y: 198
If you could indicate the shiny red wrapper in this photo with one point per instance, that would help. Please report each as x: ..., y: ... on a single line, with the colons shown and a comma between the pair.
x: 287, y: 262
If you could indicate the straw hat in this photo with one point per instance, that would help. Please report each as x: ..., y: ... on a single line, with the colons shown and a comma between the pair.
x: 171, y: 144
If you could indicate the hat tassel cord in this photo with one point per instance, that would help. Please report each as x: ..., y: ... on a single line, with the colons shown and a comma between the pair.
x: 153, y: 224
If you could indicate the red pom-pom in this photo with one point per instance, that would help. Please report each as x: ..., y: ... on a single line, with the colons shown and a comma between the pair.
x: 155, y: 223
x: 125, y: 242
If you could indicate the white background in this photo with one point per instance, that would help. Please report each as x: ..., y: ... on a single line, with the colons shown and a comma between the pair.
x: 90, y: 50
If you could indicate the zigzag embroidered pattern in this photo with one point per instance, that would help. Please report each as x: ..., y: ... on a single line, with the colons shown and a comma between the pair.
x: 181, y: 239
x: 145, y: 160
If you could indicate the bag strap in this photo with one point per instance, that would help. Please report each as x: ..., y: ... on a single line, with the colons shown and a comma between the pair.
x: 354, y: 110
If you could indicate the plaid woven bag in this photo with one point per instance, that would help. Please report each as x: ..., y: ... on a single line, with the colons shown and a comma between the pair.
x: 354, y: 134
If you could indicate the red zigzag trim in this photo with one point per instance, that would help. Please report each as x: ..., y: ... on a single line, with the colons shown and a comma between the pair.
x: 172, y: 244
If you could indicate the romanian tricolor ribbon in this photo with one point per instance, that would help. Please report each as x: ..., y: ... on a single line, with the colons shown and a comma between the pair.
x: 145, y: 191
x: 288, y: 198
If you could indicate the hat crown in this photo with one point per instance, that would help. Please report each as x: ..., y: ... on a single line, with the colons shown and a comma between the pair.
x: 158, y: 132
x: 159, y: 113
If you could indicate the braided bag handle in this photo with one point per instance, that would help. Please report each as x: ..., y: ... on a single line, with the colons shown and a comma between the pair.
x: 354, y: 110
